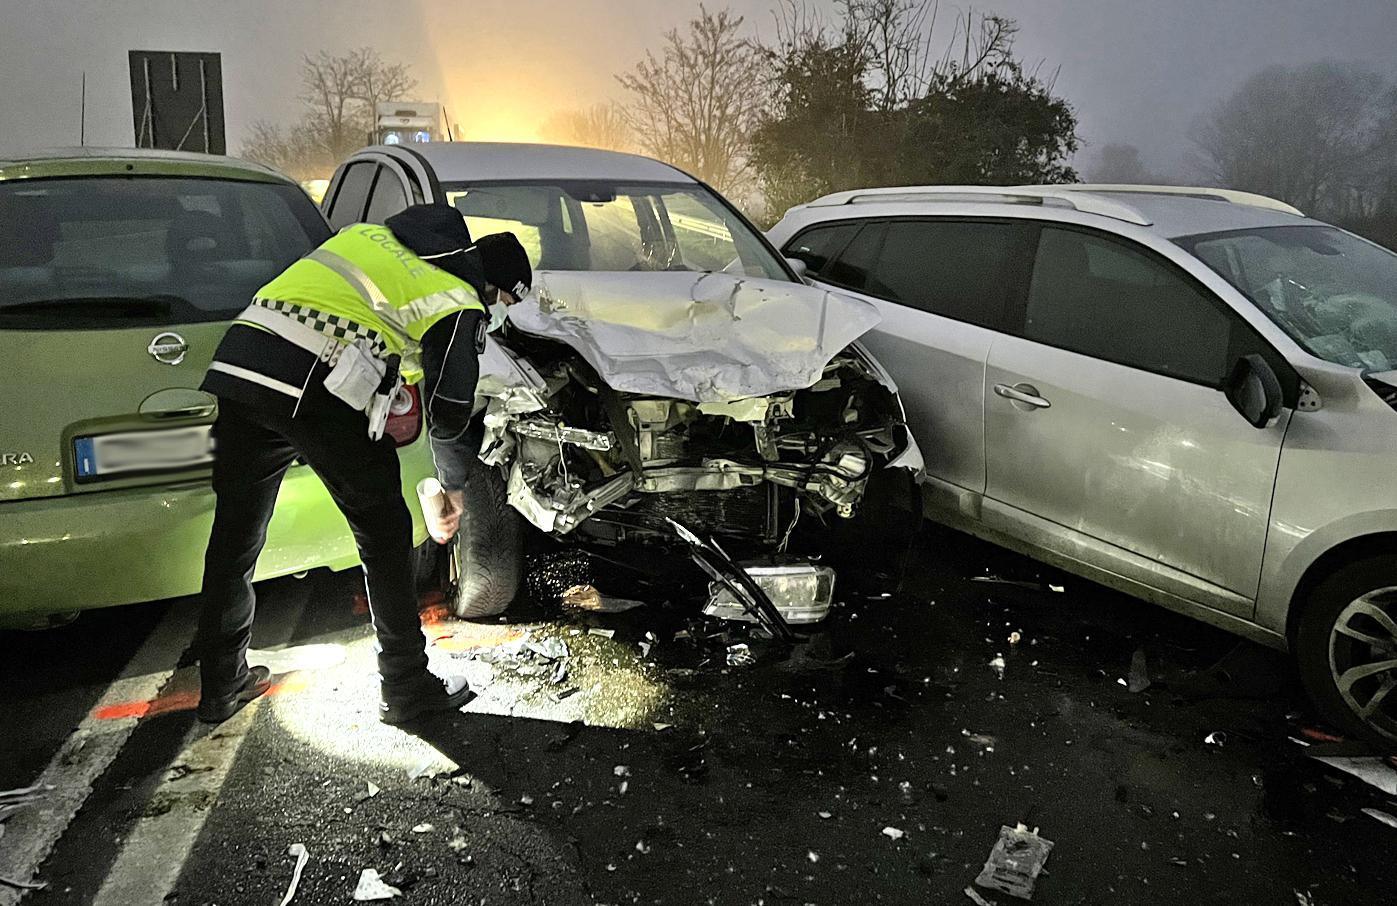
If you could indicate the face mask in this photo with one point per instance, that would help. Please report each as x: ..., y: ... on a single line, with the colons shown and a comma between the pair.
x: 498, y: 312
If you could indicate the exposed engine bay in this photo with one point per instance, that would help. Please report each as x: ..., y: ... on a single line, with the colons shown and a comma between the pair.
x: 583, y: 459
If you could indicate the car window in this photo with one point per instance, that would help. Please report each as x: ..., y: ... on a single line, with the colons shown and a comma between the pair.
x: 387, y: 198
x: 107, y: 251
x: 963, y: 270
x: 1102, y: 298
x: 817, y: 245
x: 347, y: 206
x: 853, y: 265
x: 599, y: 225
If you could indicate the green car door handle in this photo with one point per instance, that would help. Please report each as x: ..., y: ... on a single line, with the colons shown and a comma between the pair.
x: 178, y: 402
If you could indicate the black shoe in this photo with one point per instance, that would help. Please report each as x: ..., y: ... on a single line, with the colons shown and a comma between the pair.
x: 404, y: 702
x: 219, y: 708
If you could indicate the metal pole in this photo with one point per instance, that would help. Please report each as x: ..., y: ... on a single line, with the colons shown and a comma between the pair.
x: 204, y: 102
x: 82, y: 127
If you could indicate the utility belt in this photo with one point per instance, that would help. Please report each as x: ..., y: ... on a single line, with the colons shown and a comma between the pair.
x: 363, y: 374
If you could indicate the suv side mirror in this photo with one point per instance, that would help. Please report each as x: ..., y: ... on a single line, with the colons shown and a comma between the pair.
x: 801, y: 269
x: 1254, y: 390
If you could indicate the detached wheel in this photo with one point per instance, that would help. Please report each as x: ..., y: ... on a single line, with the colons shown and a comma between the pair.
x: 1346, y: 648
x: 489, y: 547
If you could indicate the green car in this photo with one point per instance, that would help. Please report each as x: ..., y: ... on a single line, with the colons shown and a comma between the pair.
x: 119, y: 272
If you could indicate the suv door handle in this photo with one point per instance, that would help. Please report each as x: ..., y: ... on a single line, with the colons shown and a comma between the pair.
x: 1026, y: 394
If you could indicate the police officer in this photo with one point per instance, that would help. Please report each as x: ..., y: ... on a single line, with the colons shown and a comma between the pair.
x: 309, y: 370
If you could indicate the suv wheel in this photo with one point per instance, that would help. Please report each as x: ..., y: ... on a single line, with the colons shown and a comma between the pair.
x: 1346, y: 648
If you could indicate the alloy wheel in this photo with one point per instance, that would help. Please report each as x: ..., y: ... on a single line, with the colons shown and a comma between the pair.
x: 1363, y: 659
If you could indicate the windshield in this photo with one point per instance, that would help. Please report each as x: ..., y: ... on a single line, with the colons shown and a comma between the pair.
x: 117, y: 251
x: 1334, y: 293
x: 608, y: 226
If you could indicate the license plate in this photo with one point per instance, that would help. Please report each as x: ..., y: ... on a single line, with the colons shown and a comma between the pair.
x: 142, y: 451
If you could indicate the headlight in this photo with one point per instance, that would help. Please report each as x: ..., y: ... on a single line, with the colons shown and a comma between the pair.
x: 803, y: 592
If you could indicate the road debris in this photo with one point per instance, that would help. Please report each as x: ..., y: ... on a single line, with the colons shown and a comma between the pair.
x: 604, y: 633
x: 1017, y: 583
x: 22, y: 885
x: 457, y: 842
x: 1382, y: 816
x: 586, y: 597
x: 1216, y: 738
x: 430, y: 767
x: 423, y: 828
x: 1015, y: 862
x: 551, y: 648
x: 1370, y: 769
x: 1139, y: 678
x: 998, y: 665
x: 893, y: 833
x: 976, y: 898
x: 740, y: 655
x: 371, y: 887
x: 371, y: 790
x: 302, y: 856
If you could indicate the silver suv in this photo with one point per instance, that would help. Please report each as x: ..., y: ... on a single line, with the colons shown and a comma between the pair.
x: 1185, y: 394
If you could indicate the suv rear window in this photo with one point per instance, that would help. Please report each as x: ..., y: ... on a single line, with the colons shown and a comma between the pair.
x: 117, y: 251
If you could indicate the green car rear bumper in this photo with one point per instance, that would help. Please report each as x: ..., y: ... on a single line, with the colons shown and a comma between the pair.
x: 80, y: 552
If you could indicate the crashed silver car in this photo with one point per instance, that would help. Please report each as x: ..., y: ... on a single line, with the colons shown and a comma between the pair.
x: 671, y: 381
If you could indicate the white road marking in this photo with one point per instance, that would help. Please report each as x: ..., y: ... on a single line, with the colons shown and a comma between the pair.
x: 31, y: 834
x: 158, y: 844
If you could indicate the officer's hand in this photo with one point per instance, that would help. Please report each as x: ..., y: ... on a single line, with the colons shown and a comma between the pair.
x: 443, y: 528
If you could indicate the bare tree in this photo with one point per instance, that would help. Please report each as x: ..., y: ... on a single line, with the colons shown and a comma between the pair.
x: 1303, y: 134
x: 1120, y: 163
x: 293, y: 151
x: 697, y: 104
x: 340, y: 94
x: 895, y: 37
x: 598, y: 126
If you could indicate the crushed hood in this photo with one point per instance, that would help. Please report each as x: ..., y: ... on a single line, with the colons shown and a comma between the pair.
x: 709, y: 337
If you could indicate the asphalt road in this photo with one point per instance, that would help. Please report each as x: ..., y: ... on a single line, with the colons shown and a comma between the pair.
x: 876, y: 765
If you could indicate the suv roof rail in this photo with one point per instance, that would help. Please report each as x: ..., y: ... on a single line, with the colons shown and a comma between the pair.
x: 1234, y: 196
x: 1039, y: 195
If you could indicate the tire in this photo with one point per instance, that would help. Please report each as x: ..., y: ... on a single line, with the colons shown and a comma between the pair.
x: 489, y: 548
x: 1359, y: 599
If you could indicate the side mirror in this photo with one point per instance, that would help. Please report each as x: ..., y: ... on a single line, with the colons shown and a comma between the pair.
x: 1254, y: 390
x: 801, y: 269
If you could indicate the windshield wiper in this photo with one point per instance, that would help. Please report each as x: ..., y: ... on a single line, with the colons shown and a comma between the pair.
x: 104, y: 306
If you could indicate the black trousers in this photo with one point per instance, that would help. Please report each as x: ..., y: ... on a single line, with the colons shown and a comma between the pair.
x: 254, y: 448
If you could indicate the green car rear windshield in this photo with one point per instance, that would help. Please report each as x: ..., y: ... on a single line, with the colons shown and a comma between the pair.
x: 120, y: 251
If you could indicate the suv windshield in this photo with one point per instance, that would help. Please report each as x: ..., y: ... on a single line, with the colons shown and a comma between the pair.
x: 112, y: 251
x: 1334, y: 293
x: 569, y: 225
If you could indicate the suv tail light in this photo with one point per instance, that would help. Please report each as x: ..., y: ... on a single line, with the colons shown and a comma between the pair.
x: 405, y: 416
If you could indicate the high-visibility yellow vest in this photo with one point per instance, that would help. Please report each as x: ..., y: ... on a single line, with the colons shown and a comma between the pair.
x: 365, y: 275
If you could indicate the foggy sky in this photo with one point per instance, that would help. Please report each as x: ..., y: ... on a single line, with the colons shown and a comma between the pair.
x: 1137, y: 71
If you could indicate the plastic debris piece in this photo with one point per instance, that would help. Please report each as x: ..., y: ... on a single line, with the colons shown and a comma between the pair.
x: 740, y: 655
x: 560, y: 673
x: 1057, y: 589
x: 998, y: 665
x: 642, y: 847
x: 526, y: 799
x: 586, y: 597
x: 1018, y: 583
x: 621, y: 770
x: 551, y: 648
x: 604, y: 633
x: 1216, y: 738
x: 660, y: 726
x: 1370, y: 769
x: 813, y: 856
x: 371, y: 887
x: 825, y: 816
x: 22, y: 885
x: 976, y: 898
x: 1015, y: 862
x: 371, y: 790
x: 1319, y: 735
x: 457, y: 842
x: 1139, y: 672
x: 1015, y: 637
x: 423, y: 828
x: 429, y: 768
x: 302, y: 857
x: 1382, y: 816
x: 893, y: 833
x: 644, y: 649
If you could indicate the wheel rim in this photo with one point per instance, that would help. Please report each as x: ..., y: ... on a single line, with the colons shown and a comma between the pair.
x: 1363, y: 659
